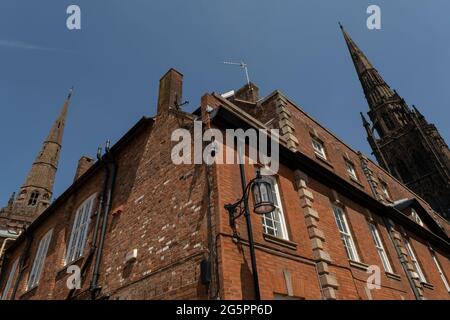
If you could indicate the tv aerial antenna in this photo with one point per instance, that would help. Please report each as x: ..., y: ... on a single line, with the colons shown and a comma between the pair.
x: 242, y: 65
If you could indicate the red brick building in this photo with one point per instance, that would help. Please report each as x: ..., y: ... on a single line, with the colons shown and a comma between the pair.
x: 140, y: 227
x: 147, y: 225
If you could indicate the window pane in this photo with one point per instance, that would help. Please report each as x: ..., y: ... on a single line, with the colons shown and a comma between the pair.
x: 79, y: 231
x: 10, y: 279
x: 345, y: 234
x: 273, y: 222
x: 441, y: 273
x: 414, y: 261
x: 318, y: 148
x: 380, y: 248
x: 39, y: 260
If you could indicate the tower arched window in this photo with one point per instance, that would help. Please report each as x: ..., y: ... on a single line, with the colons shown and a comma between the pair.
x: 33, y: 198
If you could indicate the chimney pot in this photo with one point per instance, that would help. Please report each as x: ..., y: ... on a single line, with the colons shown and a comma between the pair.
x: 249, y: 92
x: 83, y: 165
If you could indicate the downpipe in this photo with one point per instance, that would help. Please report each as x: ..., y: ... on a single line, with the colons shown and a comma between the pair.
x: 110, y: 166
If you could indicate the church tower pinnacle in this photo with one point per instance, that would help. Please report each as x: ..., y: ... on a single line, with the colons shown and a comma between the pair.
x: 402, y: 140
x: 36, y: 192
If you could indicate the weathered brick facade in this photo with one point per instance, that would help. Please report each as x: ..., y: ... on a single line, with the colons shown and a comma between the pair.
x: 172, y: 218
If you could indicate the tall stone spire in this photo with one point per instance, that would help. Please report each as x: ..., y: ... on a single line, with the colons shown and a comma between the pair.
x: 361, y: 62
x: 407, y: 145
x: 388, y: 111
x: 37, y: 190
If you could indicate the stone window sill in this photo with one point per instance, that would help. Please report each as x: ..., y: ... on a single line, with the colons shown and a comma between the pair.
x: 393, y: 276
x: 281, y: 242
x: 77, y: 261
x: 358, y: 265
x: 29, y: 292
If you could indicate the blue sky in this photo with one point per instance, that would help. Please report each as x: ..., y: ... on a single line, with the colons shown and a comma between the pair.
x: 124, y: 47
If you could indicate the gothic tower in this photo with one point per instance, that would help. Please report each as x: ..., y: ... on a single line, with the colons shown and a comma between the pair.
x: 36, y: 192
x: 402, y: 140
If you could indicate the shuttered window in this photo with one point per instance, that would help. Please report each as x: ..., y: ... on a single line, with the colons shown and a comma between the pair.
x: 12, y: 273
x: 39, y: 260
x: 80, y: 227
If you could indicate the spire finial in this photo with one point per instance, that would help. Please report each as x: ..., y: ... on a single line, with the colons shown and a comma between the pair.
x: 340, y: 25
x: 70, y: 93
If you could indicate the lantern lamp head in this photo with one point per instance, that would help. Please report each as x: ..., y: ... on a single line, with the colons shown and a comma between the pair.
x: 262, y: 195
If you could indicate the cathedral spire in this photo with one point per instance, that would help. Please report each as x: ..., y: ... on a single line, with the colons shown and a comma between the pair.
x: 37, y: 190
x: 57, y: 130
x: 360, y: 61
x: 375, y: 88
x: 388, y: 111
x: 404, y: 143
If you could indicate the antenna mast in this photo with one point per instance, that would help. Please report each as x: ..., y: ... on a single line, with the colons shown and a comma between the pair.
x: 243, y: 66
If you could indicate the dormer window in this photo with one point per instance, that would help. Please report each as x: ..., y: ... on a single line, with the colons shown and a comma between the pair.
x: 33, y: 198
x: 416, y: 217
x: 385, y: 190
x: 318, y: 147
x: 351, y: 170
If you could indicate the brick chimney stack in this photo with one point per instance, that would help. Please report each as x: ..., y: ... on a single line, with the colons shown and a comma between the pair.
x: 83, y: 165
x: 249, y: 92
x: 170, y: 91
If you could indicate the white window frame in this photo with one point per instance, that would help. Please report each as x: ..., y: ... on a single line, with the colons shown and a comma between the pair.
x: 415, y: 262
x: 380, y: 248
x: 441, y: 273
x: 274, y: 223
x: 345, y: 233
x: 416, y: 217
x: 351, y: 170
x: 80, y: 227
x: 319, y: 148
x: 39, y: 260
x: 9, y: 282
x: 385, y: 190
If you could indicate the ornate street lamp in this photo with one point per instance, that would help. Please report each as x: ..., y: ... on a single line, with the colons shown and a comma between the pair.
x: 263, y: 204
x: 262, y: 198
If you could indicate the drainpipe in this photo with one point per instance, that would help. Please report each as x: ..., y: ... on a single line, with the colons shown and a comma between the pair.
x: 110, y: 166
x: 2, y: 250
x: 403, y: 261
